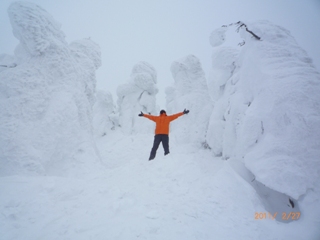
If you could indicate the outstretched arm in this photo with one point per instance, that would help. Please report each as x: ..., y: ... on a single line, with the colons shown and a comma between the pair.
x: 175, y: 116
x: 152, y: 118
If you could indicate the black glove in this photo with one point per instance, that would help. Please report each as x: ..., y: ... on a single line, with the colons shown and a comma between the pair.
x: 141, y: 114
x: 185, y: 111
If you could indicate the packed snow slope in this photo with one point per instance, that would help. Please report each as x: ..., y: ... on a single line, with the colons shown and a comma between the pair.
x: 187, y: 194
x: 243, y: 164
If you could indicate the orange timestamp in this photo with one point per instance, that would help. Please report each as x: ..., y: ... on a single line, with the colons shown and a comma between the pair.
x: 284, y: 215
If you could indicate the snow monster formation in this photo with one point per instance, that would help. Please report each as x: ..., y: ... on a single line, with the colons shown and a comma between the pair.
x: 267, y: 113
x: 189, y: 91
x: 139, y: 94
x: 46, y: 100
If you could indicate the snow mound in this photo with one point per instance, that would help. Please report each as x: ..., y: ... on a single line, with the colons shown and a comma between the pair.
x: 46, y: 102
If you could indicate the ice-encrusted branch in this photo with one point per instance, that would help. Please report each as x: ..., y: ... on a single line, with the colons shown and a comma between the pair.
x: 240, y: 25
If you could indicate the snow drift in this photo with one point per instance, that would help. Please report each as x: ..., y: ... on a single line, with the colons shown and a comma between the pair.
x: 46, y: 100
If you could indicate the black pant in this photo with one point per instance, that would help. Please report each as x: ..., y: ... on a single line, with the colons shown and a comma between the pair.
x: 164, y: 138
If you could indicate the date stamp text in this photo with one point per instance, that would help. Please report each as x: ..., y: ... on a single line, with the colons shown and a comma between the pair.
x: 284, y: 215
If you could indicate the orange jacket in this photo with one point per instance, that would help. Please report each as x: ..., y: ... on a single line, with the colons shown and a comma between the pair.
x: 163, y: 122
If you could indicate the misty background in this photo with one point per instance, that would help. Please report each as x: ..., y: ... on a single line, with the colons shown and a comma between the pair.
x: 160, y: 32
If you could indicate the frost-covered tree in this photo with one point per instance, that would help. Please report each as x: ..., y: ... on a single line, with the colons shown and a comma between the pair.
x: 189, y: 91
x: 46, y: 100
x: 267, y: 110
x: 139, y: 94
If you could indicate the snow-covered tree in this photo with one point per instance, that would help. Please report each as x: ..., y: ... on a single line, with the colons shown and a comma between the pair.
x: 46, y: 100
x: 135, y: 96
x: 267, y: 109
x: 189, y: 91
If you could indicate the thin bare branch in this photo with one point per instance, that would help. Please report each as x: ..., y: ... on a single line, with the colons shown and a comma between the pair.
x: 240, y: 25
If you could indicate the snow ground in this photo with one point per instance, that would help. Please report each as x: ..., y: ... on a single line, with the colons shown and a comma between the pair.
x: 185, y: 195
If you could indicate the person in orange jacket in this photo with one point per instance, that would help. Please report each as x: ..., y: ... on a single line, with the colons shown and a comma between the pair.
x: 162, y: 130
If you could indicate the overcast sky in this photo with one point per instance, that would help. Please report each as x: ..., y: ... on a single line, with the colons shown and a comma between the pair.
x: 162, y: 31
